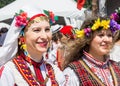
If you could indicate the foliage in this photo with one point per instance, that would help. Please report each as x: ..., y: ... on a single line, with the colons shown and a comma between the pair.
x: 88, y: 4
x: 5, y: 2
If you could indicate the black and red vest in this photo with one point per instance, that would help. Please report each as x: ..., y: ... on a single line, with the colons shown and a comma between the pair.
x: 86, y: 79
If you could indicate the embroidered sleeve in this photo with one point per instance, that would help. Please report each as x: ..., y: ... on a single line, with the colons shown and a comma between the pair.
x: 6, y: 78
x: 71, y: 78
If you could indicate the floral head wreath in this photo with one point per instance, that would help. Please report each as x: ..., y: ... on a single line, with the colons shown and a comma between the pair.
x: 104, y: 24
x: 22, y: 18
x: 115, y: 20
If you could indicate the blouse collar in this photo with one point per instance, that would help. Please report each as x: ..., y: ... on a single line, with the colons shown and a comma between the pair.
x: 94, y: 61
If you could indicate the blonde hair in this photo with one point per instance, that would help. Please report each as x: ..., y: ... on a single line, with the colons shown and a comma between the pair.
x: 37, y: 19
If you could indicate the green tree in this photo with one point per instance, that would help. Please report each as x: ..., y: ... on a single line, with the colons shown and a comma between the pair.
x: 5, y: 2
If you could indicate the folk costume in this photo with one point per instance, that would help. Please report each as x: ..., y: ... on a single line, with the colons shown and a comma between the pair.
x: 91, y: 72
x: 22, y: 70
x: 88, y: 70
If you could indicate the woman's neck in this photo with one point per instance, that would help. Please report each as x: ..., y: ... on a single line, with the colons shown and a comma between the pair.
x: 37, y: 57
x: 97, y: 57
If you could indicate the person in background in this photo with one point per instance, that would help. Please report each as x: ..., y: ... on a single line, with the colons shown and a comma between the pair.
x: 87, y: 62
x: 3, y: 32
x: 28, y: 68
x: 67, y: 35
x: 60, y: 34
x: 55, y: 43
x: 115, y: 21
x: 114, y: 54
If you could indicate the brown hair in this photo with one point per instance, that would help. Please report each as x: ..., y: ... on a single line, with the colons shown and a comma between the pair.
x: 76, y: 48
x: 56, y: 36
x: 117, y: 36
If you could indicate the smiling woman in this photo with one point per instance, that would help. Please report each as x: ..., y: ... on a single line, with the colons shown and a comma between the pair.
x: 28, y: 67
x: 88, y: 61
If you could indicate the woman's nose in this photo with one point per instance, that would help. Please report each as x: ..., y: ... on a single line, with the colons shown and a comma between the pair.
x: 106, y: 38
x: 43, y: 34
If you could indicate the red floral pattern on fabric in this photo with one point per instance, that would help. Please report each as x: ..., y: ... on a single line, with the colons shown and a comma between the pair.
x: 1, y: 70
x: 27, y: 74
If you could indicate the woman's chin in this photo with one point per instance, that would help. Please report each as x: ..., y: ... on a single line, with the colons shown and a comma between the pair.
x: 105, y: 52
x: 42, y: 50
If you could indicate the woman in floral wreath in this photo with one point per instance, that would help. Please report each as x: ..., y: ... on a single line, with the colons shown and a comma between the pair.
x: 88, y: 63
x: 28, y: 68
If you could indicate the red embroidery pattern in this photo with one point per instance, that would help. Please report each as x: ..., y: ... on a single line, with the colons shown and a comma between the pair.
x: 51, y: 75
x: 26, y: 73
x: 1, y: 70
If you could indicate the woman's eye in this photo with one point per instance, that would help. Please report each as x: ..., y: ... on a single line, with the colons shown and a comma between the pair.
x: 36, y: 30
x: 47, y: 29
x: 110, y: 35
x: 101, y: 35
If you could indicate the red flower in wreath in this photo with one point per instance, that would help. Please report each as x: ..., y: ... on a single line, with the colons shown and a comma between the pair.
x: 21, y: 19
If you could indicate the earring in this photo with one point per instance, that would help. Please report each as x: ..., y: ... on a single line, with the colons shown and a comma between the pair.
x: 21, y: 40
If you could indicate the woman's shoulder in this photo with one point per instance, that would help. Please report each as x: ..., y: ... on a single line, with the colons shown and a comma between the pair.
x: 71, y: 77
x: 68, y: 70
x: 8, y: 68
x: 6, y: 75
x: 115, y: 64
x: 9, y: 65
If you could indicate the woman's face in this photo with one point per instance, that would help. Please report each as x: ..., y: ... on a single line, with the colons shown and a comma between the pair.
x: 38, y: 36
x: 101, y: 43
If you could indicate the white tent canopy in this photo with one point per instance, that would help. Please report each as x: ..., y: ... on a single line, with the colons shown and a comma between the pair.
x: 67, y: 8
